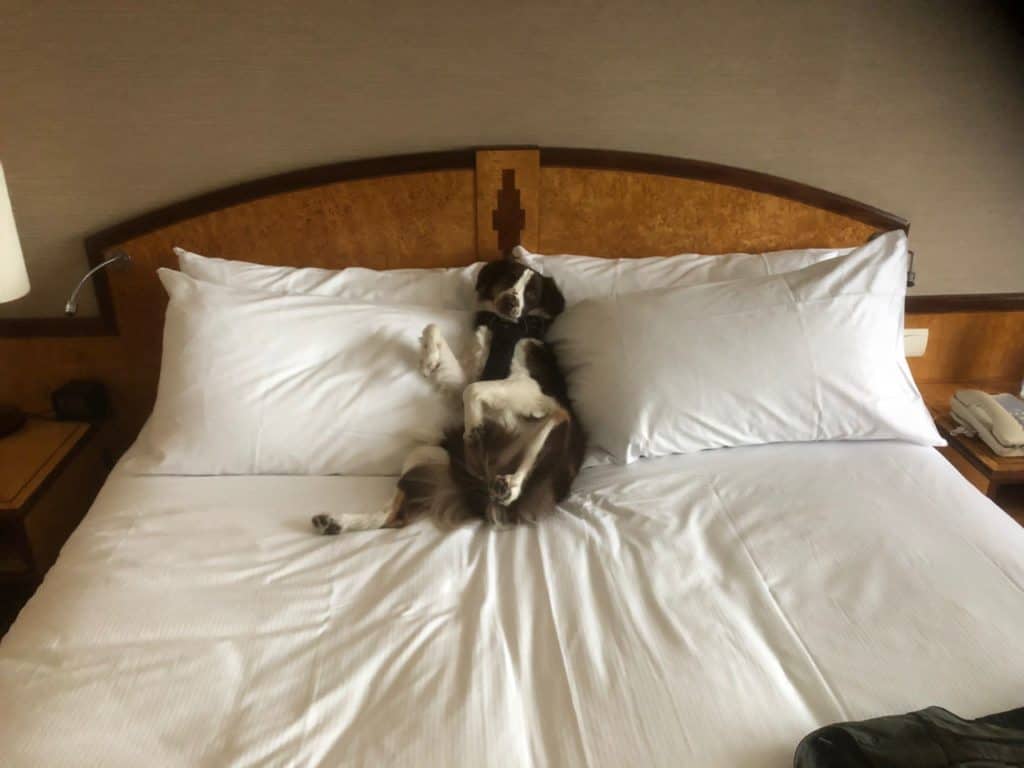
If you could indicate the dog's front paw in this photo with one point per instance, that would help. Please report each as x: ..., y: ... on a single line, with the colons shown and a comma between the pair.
x: 430, y: 350
x: 326, y: 525
x: 504, y: 489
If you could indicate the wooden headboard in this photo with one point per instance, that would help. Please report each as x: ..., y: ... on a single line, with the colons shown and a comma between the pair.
x: 436, y: 209
x: 454, y: 208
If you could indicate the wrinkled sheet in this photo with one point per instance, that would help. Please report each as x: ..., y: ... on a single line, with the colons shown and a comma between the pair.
x: 702, y: 610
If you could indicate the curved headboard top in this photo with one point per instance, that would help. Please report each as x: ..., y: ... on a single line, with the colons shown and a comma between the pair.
x: 445, y: 209
x: 455, y: 207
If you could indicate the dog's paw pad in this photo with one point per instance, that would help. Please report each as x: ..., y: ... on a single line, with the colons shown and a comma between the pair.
x: 502, y: 489
x: 326, y: 525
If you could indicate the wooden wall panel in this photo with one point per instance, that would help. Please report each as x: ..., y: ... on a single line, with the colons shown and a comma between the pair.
x: 970, y: 346
x: 623, y: 214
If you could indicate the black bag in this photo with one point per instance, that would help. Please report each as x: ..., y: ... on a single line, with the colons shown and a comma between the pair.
x: 929, y: 738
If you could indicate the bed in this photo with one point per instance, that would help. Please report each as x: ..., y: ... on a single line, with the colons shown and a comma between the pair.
x: 707, y: 609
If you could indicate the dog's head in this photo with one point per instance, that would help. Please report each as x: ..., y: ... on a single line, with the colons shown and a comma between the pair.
x: 514, y: 291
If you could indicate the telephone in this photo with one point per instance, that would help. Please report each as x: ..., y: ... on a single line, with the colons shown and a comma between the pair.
x: 997, y: 419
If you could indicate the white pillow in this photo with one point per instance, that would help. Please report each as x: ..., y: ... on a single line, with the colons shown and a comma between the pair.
x: 588, y: 277
x: 259, y: 384
x: 450, y: 288
x: 815, y: 354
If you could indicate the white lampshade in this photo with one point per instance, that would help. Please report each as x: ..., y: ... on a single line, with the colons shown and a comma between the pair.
x: 13, y: 277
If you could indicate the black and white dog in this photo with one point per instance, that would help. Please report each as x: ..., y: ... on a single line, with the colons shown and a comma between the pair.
x: 520, y: 445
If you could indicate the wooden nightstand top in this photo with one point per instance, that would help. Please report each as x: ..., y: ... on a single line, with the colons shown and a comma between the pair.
x: 1001, y: 478
x: 29, y: 456
x: 1002, y: 469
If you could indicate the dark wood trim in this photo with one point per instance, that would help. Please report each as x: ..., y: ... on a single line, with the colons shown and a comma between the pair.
x: 98, y: 244
x: 685, y: 168
x: 966, y: 302
x: 15, y: 327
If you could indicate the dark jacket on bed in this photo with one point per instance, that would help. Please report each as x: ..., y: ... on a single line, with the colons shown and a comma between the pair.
x: 930, y: 738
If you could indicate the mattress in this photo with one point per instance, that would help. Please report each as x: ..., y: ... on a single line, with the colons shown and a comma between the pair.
x: 703, y: 610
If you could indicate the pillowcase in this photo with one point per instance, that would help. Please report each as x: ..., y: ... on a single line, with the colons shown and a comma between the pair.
x: 588, y: 277
x: 259, y: 384
x: 815, y: 354
x: 449, y: 288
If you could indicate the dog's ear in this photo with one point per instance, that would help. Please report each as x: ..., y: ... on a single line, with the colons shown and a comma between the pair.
x: 552, y: 302
x: 488, y: 276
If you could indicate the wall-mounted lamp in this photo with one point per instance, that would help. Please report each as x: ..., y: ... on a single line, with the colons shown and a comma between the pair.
x: 72, y: 306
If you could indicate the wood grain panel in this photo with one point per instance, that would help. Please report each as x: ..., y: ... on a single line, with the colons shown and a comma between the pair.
x: 491, y: 167
x: 624, y: 214
x: 970, y: 346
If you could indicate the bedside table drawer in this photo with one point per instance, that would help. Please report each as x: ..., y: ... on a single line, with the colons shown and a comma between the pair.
x: 50, y: 472
x: 63, y: 503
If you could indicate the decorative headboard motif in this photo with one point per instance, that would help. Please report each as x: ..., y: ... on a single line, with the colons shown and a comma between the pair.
x: 438, y: 209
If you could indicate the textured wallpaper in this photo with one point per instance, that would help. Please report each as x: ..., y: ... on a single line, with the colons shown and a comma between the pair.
x: 108, y: 109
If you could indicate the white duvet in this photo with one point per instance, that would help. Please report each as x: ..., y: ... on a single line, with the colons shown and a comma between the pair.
x: 703, y: 610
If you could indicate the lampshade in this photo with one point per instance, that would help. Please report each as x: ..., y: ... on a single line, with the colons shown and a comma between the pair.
x: 13, y: 277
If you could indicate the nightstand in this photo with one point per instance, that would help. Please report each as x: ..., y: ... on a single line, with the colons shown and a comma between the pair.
x: 1001, y: 478
x: 50, y: 472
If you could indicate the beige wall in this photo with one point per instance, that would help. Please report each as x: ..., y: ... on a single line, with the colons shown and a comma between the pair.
x: 110, y: 108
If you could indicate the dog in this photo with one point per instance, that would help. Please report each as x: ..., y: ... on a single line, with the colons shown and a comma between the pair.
x: 520, y: 445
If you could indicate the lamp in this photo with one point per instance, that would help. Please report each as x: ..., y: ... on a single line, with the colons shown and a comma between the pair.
x: 13, y: 285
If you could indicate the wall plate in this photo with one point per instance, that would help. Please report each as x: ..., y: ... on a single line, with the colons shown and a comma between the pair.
x: 915, y: 341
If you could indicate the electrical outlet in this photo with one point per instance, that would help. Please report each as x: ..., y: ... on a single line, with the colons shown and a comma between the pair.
x: 915, y: 341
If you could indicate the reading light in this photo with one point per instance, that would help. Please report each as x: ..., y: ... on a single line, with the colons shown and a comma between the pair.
x: 72, y: 306
x: 13, y: 285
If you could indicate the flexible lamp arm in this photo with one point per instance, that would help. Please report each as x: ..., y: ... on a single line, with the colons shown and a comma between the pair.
x: 72, y: 306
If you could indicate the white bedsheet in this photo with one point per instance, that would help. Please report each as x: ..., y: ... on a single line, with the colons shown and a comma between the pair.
x: 703, y: 610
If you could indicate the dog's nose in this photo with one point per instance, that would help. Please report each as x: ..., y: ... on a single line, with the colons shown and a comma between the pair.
x: 509, y: 305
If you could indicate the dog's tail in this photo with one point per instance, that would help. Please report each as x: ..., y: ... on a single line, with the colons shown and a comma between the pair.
x: 428, y: 489
x: 475, y: 465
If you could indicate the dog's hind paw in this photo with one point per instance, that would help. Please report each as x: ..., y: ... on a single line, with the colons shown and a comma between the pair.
x: 504, y: 489
x: 326, y: 525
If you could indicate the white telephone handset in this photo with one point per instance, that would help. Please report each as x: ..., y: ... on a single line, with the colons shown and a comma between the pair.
x: 997, y: 419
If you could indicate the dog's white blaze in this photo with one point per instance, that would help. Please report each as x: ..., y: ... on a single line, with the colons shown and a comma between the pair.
x: 518, y: 290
